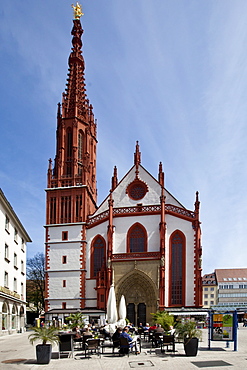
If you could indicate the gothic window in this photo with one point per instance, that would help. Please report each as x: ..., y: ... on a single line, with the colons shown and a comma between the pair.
x: 177, y: 270
x: 137, y: 190
x: 80, y: 145
x: 65, y: 209
x: 97, y: 255
x: 69, y: 144
x: 53, y: 205
x: 78, y: 208
x: 137, y: 239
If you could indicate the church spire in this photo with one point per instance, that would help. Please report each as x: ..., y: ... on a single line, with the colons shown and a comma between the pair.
x: 75, y: 102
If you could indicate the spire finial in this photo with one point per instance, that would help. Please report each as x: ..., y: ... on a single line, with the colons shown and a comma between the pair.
x: 77, y: 10
x: 137, y: 155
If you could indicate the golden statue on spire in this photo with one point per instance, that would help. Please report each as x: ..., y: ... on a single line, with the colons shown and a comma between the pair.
x: 77, y: 10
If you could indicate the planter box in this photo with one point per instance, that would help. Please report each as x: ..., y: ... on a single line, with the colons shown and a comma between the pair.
x: 191, y: 346
x: 43, y: 353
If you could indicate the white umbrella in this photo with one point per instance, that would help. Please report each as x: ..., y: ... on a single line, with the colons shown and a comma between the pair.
x: 112, y: 309
x: 122, y: 312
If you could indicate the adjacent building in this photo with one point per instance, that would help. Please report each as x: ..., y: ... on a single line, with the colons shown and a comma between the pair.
x: 141, y: 238
x: 209, y: 290
x: 13, y: 269
x: 232, y: 288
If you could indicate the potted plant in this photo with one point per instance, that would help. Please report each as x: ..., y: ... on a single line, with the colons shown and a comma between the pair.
x: 188, y: 331
x: 45, y: 335
x: 76, y: 319
x: 164, y: 319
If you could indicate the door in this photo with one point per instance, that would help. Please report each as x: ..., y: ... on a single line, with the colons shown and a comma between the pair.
x: 141, y: 313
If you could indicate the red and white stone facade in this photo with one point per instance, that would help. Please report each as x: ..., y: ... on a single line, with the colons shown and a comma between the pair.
x: 141, y: 239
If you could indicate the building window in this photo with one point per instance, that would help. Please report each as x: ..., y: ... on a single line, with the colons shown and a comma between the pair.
x: 212, y: 295
x: 211, y: 302
x: 212, y: 289
x: 64, y: 235
x: 65, y: 209
x: 15, y: 261
x: 22, y: 267
x: 6, y: 223
x: 205, y: 303
x: 80, y: 146
x: 6, y: 253
x: 22, y: 245
x: 64, y: 305
x: 53, y: 210
x: 16, y: 236
x: 64, y: 283
x: 205, y: 295
x: 206, y: 289
x: 64, y: 259
x: 97, y: 255
x: 6, y: 279
x: 15, y: 285
x: 137, y: 239
x: 22, y: 290
x: 177, y: 270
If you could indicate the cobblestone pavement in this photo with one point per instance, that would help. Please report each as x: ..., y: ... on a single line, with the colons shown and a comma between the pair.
x: 20, y: 354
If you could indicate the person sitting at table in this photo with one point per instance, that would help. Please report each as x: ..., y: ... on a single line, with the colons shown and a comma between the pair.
x: 140, y: 326
x: 105, y: 332
x: 172, y: 330
x: 159, y: 329
x: 125, y: 334
x: 87, y: 333
x: 116, y: 336
x: 147, y: 326
x: 77, y: 332
x: 153, y: 327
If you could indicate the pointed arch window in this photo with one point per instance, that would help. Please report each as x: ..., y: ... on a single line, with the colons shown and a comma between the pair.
x: 80, y: 145
x: 177, y: 269
x: 69, y: 143
x: 97, y: 255
x: 137, y: 239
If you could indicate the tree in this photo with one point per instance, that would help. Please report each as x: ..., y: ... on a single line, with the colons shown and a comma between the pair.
x: 36, y: 281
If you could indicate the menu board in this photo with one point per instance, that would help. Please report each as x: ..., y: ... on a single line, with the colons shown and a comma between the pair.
x: 222, y: 326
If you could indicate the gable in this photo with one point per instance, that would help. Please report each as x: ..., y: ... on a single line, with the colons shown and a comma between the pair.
x: 121, y: 194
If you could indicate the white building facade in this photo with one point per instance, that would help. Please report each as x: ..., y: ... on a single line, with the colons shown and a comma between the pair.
x: 13, y: 269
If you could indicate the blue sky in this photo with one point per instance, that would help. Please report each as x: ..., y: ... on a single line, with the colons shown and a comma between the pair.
x: 169, y: 73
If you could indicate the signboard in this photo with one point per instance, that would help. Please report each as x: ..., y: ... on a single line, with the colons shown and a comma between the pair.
x: 222, y: 326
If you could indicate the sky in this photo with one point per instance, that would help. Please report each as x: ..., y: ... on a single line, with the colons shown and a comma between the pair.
x: 171, y: 74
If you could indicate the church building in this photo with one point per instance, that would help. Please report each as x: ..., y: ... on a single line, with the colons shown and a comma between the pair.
x: 141, y: 238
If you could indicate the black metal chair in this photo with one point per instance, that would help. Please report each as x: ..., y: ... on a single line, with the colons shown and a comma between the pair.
x: 84, y: 339
x: 168, y: 341
x: 66, y: 344
x: 125, y: 346
x: 93, y: 346
x: 157, y: 339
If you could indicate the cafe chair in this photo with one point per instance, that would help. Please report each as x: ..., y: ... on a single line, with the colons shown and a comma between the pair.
x: 92, y: 346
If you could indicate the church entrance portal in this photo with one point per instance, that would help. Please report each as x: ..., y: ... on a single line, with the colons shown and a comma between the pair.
x: 141, y: 296
x: 136, y: 313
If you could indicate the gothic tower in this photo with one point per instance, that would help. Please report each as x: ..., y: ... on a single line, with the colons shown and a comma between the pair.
x: 71, y: 186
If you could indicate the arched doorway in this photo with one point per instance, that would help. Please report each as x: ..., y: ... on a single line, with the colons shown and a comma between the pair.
x: 141, y: 296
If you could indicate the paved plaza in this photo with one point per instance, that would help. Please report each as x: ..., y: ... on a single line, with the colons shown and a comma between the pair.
x: 17, y: 353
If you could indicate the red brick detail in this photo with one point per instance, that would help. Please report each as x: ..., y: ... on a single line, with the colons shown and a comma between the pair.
x: 136, y: 256
x: 142, y: 211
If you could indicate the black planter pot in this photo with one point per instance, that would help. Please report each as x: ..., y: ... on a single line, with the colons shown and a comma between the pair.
x: 191, y: 346
x: 43, y: 353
